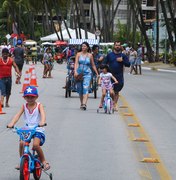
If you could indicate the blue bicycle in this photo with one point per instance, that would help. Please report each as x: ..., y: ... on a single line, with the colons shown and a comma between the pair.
x: 107, y: 103
x: 29, y: 161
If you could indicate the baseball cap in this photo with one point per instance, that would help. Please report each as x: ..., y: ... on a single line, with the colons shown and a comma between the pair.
x: 30, y: 91
x: 19, y: 42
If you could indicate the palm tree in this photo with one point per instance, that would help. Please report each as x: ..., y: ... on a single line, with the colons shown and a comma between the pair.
x: 137, y: 9
x: 168, y: 26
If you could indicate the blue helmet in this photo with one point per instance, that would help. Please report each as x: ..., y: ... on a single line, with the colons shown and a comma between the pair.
x: 30, y: 91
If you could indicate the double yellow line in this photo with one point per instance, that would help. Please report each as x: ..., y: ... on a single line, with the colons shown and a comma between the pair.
x: 151, y: 165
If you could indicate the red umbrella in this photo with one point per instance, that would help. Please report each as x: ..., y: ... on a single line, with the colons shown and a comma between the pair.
x: 61, y: 43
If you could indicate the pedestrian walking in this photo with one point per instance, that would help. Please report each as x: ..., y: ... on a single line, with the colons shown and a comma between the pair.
x: 47, y: 58
x: 18, y: 55
x: 132, y: 59
x: 98, y: 58
x: 139, y: 59
x: 6, y: 64
x: 116, y: 61
x: 83, y: 63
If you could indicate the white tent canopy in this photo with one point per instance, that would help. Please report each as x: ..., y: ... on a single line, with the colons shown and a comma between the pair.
x: 30, y: 42
x: 53, y: 37
x: 47, y: 43
x: 80, y: 41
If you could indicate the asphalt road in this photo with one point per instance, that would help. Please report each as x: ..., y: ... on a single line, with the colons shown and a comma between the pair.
x: 84, y: 145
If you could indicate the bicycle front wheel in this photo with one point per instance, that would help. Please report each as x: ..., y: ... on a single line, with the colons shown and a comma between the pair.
x: 109, y: 106
x: 24, y: 169
x: 37, y: 171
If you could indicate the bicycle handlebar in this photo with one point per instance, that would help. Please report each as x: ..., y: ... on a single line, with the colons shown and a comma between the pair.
x: 27, y: 125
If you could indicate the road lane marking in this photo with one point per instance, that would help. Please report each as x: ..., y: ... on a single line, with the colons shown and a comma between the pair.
x: 151, y: 165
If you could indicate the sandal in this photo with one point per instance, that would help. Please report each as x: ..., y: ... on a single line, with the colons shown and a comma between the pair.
x: 7, y: 105
x: 100, y: 106
x: 84, y: 107
x: 46, y: 166
x: 115, y: 109
x: 81, y: 107
x: 17, y: 167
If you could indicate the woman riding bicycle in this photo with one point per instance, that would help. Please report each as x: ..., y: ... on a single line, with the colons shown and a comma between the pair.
x: 105, y: 82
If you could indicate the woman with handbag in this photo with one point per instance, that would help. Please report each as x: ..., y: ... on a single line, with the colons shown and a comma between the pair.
x: 82, y: 73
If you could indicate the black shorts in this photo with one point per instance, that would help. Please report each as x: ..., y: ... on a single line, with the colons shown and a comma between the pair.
x: 20, y: 66
x: 118, y: 87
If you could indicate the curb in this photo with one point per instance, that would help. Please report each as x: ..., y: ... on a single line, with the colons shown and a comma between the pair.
x: 158, y: 69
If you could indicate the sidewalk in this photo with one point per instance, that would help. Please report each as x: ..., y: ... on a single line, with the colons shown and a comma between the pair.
x: 159, y: 66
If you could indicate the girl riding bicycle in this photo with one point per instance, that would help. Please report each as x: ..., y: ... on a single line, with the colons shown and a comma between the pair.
x: 33, y: 114
x: 105, y: 82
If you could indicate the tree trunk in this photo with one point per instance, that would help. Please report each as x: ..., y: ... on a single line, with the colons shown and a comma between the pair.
x: 98, y: 14
x: 128, y: 27
x: 141, y: 25
x: 172, y: 19
x: 46, y: 16
x: 167, y: 25
x: 84, y: 21
x: 157, y: 31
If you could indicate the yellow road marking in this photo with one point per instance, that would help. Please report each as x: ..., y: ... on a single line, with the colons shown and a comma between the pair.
x: 155, y: 158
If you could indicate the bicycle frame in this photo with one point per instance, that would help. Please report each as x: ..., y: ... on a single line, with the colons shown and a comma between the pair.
x: 29, y: 161
x: 70, y: 81
x: 108, y: 102
x: 26, y: 135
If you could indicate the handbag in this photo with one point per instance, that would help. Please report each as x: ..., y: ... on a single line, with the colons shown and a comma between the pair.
x: 79, y: 77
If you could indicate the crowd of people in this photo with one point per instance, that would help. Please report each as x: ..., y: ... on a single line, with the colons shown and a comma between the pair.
x: 87, y: 62
x: 136, y: 57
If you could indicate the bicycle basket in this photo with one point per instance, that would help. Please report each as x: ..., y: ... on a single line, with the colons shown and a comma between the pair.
x: 25, y: 133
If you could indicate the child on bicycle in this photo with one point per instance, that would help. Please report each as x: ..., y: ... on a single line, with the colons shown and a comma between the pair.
x: 104, y: 81
x: 33, y: 115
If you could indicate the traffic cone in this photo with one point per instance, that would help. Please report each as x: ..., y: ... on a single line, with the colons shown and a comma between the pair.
x: 33, y: 80
x: 26, y: 81
x: 1, y: 112
x: 31, y: 68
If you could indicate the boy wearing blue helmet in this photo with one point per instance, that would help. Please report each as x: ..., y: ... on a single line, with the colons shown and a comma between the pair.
x: 33, y: 115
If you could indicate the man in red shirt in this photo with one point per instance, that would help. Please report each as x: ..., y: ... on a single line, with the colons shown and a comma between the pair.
x: 6, y: 64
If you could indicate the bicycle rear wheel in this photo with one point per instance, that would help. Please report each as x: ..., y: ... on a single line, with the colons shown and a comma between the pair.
x: 37, y: 171
x: 68, y: 88
x: 24, y: 169
x: 95, y: 88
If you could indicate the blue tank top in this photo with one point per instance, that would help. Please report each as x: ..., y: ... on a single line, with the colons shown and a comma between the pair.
x: 84, y: 64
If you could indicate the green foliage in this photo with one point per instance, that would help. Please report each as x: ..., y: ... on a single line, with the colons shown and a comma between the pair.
x: 121, y: 34
x: 173, y: 58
